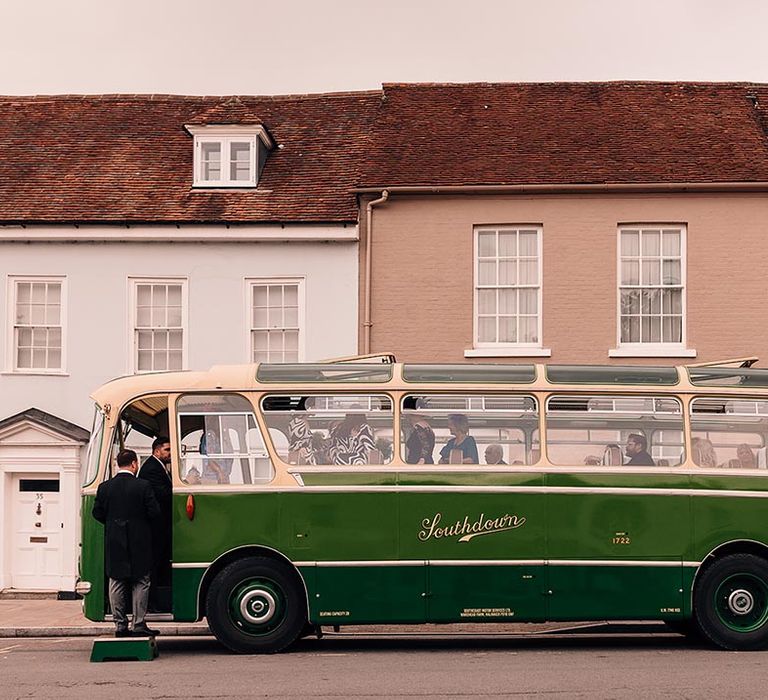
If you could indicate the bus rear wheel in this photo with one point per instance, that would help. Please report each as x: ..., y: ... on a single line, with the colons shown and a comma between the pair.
x: 731, y: 602
x: 256, y: 606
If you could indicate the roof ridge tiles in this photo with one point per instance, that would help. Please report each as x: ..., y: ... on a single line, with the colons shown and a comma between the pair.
x: 578, y: 83
x: 169, y: 97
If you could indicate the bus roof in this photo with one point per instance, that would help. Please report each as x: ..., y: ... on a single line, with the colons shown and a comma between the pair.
x: 348, y: 374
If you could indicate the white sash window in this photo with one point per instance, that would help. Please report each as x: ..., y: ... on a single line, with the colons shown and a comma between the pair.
x: 651, y: 313
x: 507, y: 291
x: 37, y: 336
x: 159, y: 316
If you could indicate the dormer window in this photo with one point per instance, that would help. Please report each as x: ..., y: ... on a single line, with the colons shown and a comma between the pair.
x: 229, y: 155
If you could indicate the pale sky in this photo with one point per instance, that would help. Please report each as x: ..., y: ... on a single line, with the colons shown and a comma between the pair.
x: 297, y: 46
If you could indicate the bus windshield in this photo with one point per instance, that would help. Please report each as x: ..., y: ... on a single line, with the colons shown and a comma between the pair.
x: 94, y: 447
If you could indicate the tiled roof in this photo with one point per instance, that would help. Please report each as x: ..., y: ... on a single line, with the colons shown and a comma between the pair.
x: 231, y: 110
x: 119, y: 158
x: 123, y: 158
x: 556, y: 133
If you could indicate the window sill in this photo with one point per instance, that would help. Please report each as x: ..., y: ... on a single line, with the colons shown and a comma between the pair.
x: 652, y: 351
x: 33, y: 373
x: 508, y: 352
x: 206, y: 186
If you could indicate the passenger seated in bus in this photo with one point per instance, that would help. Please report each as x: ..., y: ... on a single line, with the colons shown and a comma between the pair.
x: 637, y: 451
x: 494, y: 454
x: 612, y: 456
x: 351, y: 440
x: 320, y: 446
x: 461, y: 442
x: 300, y: 437
x: 420, y: 443
x: 216, y: 470
x: 592, y: 460
x: 192, y: 477
x: 745, y: 458
x: 703, y: 453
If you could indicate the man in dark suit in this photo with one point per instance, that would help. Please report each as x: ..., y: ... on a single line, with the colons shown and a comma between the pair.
x: 127, y: 507
x: 155, y: 472
x: 637, y: 451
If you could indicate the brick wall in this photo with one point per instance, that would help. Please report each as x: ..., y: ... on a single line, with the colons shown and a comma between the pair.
x: 423, y: 273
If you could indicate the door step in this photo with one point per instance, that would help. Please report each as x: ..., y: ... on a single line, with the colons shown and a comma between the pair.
x: 22, y: 594
x: 124, y: 649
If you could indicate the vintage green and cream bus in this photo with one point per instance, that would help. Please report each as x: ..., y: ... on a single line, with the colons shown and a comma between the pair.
x: 367, y: 492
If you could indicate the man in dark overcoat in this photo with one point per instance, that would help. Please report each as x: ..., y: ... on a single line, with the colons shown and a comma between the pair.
x: 155, y: 472
x: 127, y: 506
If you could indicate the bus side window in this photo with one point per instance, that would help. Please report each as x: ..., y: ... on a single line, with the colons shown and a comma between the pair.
x: 220, y: 441
x: 614, y: 430
x: 344, y: 430
x: 729, y: 432
x: 480, y: 429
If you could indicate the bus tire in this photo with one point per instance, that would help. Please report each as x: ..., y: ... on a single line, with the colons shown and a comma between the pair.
x: 731, y: 602
x: 256, y: 606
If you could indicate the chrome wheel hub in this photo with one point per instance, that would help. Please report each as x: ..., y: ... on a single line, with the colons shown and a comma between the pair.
x: 258, y: 606
x: 741, y: 602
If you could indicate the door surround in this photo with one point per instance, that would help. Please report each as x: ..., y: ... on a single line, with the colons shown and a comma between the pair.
x: 35, y: 443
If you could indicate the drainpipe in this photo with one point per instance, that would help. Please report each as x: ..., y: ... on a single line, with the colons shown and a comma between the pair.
x: 368, y: 259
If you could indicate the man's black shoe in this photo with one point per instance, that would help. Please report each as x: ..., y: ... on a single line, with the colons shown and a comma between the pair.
x: 122, y: 632
x: 144, y: 631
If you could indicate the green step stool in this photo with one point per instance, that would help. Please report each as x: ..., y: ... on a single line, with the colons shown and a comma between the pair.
x: 124, y: 649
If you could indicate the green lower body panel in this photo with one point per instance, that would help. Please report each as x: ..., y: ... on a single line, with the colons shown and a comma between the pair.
x: 186, y: 584
x: 368, y: 595
x: 92, y: 563
x: 486, y: 593
x: 689, y: 575
x: 615, y: 592
x: 124, y: 649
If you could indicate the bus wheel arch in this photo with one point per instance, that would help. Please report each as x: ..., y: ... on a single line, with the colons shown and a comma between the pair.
x: 234, y: 555
x: 759, y: 549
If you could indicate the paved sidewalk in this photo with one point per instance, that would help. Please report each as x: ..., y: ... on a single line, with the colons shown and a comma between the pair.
x: 64, y: 618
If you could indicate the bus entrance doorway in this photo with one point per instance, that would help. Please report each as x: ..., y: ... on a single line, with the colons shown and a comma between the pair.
x: 143, y: 428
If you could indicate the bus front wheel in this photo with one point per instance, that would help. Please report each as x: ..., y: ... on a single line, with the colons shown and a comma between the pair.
x: 256, y: 606
x: 731, y: 602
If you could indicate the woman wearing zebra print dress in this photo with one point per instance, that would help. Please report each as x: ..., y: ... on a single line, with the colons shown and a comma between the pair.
x: 351, y: 441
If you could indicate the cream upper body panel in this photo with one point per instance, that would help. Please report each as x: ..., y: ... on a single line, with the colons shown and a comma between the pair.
x: 220, y: 377
x: 119, y: 392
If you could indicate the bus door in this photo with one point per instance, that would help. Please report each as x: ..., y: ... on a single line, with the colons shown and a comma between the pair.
x: 477, y: 521
x: 140, y: 423
x: 617, y: 532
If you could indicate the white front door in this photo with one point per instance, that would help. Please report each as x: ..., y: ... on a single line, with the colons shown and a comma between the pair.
x: 36, y: 551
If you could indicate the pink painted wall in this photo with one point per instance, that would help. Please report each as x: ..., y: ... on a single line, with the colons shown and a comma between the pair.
x: 423, y: 272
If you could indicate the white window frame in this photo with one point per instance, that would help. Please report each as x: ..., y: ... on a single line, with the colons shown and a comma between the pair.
x: 680, y: 349
x: 133, y: 283
x: 224, y: 135
x: 251, y: 282
x: 485, y: 349
x: 225, y: 142
x: 11, y: 355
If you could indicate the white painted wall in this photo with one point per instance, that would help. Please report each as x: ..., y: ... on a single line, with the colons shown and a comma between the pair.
x: 98, y: 325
